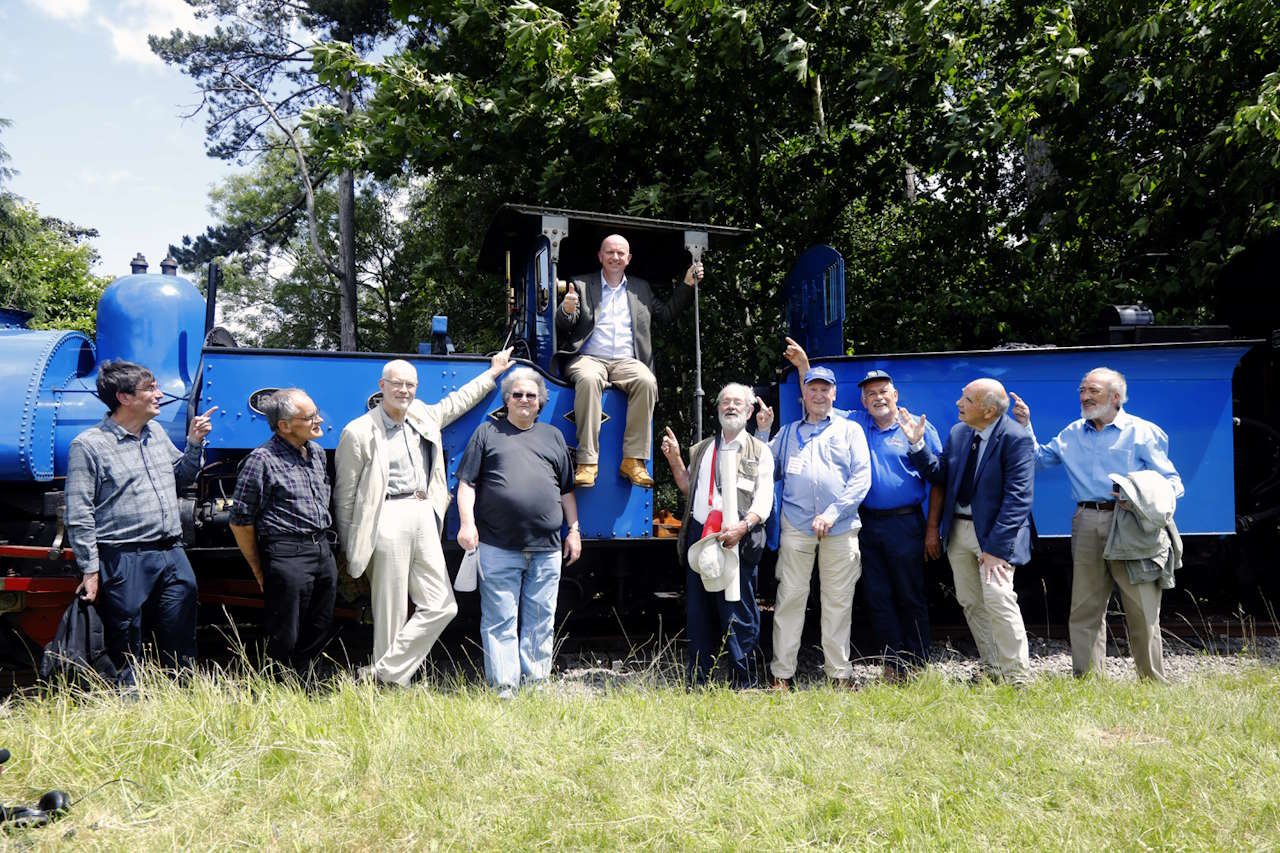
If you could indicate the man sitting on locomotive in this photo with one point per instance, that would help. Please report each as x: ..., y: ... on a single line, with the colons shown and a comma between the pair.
x: 605, y: 321
x: 123, y: 476
x: 720, y: 617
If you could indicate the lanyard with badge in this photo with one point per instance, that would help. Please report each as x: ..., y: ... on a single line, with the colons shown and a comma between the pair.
x: 795, y: 464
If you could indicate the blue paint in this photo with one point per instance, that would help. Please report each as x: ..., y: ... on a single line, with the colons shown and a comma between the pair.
x: 1184, y: 388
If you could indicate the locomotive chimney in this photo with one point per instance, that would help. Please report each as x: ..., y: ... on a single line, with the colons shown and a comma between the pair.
x: 138, y: 265
x: 169, y: 266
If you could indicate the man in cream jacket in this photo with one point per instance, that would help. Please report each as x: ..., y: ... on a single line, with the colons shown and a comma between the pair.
x: 390, y: 498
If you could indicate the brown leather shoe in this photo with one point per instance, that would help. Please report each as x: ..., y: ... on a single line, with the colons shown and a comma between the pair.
x: 782, y: 685
x: 585, y: 475
x: 634, y: 470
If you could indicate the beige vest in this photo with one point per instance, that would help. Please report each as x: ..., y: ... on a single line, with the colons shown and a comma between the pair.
x: 748, y: 470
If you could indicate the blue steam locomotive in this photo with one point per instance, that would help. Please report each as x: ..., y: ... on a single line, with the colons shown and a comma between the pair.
x: 47, y: 381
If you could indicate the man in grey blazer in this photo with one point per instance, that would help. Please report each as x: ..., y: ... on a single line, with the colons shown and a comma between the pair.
x: 390, y: 498
x: 604, y: 326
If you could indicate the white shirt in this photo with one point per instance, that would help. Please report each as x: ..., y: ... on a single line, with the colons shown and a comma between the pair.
x: 611, y: 338
x: 705, y: 482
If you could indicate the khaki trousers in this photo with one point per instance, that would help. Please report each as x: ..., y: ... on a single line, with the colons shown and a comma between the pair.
x: 407, y: 563
x: 589, y: 375
x: 839, y: 567
x: 1092, y: 579
x: 990, y: 607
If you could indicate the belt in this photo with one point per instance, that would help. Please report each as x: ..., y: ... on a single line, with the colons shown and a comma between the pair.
x: 868, y: 512
x: 420, y: 495
x: 154, y: 545
x: 320, y: 536
x: 1106, y: 506
x: 960, y: 516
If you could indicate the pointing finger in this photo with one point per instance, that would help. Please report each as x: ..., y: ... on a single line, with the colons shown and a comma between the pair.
x: 210, y: 412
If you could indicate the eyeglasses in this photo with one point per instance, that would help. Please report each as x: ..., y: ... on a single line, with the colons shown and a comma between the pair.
x: 145, y: 389
x: 314, y: 418
x: 400, y: 384
x: 524, y: 395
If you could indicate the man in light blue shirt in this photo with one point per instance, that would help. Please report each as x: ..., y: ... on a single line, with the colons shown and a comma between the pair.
x: 894, y: 538
x: 1106, y: 440
x: 825, y: 468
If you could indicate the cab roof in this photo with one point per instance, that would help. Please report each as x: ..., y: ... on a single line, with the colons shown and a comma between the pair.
x: 657, y: 245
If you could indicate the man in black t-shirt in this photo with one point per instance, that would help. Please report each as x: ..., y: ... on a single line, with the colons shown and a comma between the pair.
x: 515, y: 491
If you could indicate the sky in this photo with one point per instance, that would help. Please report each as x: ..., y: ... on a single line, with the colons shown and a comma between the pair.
x: 98, y: 135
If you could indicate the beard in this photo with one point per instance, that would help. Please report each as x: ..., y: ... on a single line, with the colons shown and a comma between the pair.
x: 1099, y: 412
x: 733, y: 423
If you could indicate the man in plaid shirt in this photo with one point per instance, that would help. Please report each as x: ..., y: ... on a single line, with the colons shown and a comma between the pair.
x: 280, y: 518
x: 123, y: 476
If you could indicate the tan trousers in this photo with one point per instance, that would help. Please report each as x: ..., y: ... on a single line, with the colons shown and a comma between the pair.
x: 1092, y: 579
x: 839, y: 567
x: 407, y: 563
x: 990, y: 607
x: 589, y: 376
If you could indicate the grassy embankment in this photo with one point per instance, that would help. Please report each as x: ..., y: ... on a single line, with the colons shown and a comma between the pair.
x: 229, y: 762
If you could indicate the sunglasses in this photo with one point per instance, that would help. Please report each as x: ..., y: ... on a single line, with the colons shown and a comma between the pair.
x: 524, y: 395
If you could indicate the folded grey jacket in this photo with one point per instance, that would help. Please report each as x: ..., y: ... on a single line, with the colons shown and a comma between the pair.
x: 1143, y: 535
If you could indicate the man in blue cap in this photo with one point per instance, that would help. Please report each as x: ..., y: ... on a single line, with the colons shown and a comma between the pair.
x: 825, y: 469
x: 894, y: 538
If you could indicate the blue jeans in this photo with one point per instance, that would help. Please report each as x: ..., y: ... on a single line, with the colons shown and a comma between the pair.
x: 517, y: 585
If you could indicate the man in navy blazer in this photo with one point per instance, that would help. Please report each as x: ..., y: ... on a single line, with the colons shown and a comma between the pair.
x: 987, y: 469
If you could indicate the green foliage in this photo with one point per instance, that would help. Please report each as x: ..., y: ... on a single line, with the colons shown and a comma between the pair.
x: 1031, y: 160
x: 45, y: 269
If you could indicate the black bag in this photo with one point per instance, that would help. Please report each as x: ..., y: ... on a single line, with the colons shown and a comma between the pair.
x: 79, y: 649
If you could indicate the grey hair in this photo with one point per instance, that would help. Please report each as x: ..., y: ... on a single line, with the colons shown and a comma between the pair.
x: 1115, y: 381
x: 280, y: 406
x: 996, y: 397
x: 524, y: 374
x: 401, y: 363
x: 748, y: 394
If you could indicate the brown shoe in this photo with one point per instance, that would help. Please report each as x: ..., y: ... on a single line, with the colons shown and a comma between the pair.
x: 782, y: 685
x: 585, y: 475
x: 634, y: 470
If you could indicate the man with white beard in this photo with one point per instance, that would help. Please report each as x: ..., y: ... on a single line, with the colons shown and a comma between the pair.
x: 1106, y: 440
x: 724, y: 621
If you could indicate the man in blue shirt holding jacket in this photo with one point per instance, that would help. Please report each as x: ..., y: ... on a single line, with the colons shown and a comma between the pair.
x: 1105, y: 440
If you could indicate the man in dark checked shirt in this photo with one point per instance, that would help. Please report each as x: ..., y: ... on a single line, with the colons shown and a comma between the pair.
x: 123, y: 476
x: 280, y: 518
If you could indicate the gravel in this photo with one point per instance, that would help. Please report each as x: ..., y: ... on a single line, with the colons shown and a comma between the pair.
x: 594, y: 673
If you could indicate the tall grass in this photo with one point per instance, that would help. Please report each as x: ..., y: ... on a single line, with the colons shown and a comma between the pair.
x: 236, y: 760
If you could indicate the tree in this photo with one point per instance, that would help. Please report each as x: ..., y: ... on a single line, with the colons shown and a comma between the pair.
x: 254, y: 73
x: 1027, y: 161
x: 45, y: 269
x: 275, y: 294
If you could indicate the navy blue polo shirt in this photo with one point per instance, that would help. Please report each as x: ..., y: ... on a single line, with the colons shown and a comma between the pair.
x: 895, y: 482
